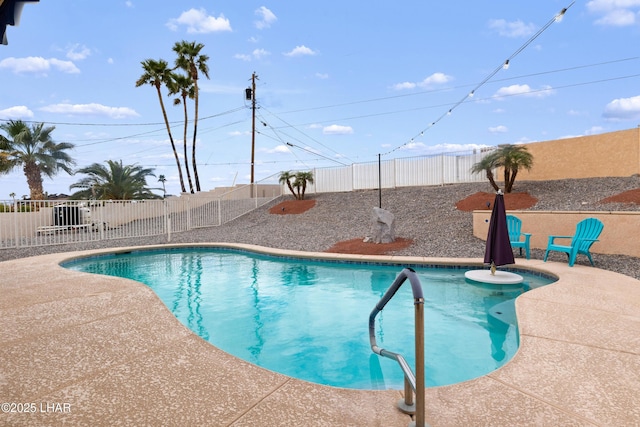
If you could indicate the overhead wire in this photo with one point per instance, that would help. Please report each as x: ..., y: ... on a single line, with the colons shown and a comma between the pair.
x: 503, y: 65
x: 305, y: 134
x: 450, y: 88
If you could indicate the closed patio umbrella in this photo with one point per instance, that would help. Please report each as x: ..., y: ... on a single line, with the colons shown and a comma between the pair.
x: 498, y: 250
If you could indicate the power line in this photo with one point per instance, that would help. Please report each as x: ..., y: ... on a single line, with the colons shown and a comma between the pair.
x: 502, y: 66
x: 234, y: 110
x: 303, y: 133
x: 450, y: 104
x: 431, y: 91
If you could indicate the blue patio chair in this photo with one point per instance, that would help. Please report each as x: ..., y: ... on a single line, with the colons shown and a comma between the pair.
x: 587, y: 232
x: 514, y: 224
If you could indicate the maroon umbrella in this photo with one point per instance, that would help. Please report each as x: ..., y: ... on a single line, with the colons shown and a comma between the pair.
x: 498, y: 250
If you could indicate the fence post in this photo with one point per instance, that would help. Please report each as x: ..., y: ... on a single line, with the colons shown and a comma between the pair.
x: 395, y: 171
x: 188, y: 213
x: 15, y: 224
x: 255, y: 195
x: 167, y: 219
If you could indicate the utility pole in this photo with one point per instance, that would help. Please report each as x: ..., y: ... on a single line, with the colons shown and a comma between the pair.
x: 251, y: 95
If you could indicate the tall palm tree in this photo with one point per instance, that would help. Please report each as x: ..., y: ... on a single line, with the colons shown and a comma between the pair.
x: 34, y: 150
x: 487, y: 165
x: 115, y: 182
x: 162, y: 179
x: 183, y: 85
x: 157, y: 73
x: 190, y: 60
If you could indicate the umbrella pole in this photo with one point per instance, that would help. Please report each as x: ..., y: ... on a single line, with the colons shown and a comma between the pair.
x: 493, y: 268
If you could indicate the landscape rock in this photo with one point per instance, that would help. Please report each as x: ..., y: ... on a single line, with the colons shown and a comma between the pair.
x: 384, y: 224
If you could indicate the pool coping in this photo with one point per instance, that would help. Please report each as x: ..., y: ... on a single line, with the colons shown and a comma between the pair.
x: 115, y: 352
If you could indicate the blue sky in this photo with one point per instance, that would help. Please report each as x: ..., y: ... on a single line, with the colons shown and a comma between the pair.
x: 341, y: 81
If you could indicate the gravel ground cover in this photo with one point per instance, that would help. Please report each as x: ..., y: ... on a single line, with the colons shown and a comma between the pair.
x: 426, y: 215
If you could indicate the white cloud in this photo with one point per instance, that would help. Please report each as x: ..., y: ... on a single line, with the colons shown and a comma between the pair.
x: 594, y: 130
x: 498, y: 129
x: 420, y: 148
x: 523, y: 90
x: 435, y: 79
x: 617, y: 13
x: 337, y: 130
x: 260, y: 53
x: 404, y: 85
x: 128, y: 3
x: 429, y: 82
x: 242, y: 57
x: 38, y: 65
x: 198, y: 22
x: 618, y: 18
x: 239, y: 133
x: 267, y: 18
x: 77, y: 52
x: 623, y: 109
x: 322, y: 76
x: 91, y: 109
x: 17, y: 112
x: 300, y: 51
x: 256, y: 54
x: 511, y: 29
x: 278, y: 149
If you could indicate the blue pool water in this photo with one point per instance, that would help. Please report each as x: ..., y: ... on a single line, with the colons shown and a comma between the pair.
x: 309, y: 319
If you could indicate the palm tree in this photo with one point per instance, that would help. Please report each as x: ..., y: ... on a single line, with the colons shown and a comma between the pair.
x: 190, y: 60
x: 115, y: 182
x: 487, y: 165
x: 512, y: 159
x: 34, y: 150
x: 157, y: 73
x: 509, y: 157
x: 302, y: 178
x: 184, y: 86
x: 162, y: 179
x: 286, y: 177
x: 5, y: 167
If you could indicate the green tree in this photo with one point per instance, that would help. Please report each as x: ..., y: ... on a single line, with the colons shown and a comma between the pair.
x: 297, y: 183
x: 114, y: 182
x: 302, y: 179
x: 286, y: 177
x: 157, y: 73
x: 487, y: 165
x: 183, y: 86
x: 190, y: 60
x: 511, y: 158
x: 33, y: 149
x: 162, y: 179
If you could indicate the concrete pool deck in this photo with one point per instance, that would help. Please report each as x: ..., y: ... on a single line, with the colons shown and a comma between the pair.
x: 80, y: 349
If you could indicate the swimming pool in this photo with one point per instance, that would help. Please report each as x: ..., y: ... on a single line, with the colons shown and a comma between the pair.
x: 309, y: 318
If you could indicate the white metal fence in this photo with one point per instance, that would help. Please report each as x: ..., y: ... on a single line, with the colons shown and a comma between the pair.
x: 439, y: 169
x: 37, y: 223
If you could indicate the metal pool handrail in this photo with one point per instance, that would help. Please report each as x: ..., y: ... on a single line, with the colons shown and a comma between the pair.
x: 411, y: 383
